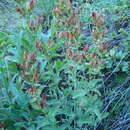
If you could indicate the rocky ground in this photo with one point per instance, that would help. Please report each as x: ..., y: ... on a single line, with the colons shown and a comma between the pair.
x: 9, y: 18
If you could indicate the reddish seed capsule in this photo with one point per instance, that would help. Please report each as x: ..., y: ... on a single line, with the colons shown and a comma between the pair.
x: 30, y: 24
x: 42, y: 105
x: 71, y: 36
x: 94, y: 55
x: 57, y: 11
x: 37, y: 44
x: 75, y: 53
x: 19, y: 10
x: 101, y: 20
x: 38, y: 21
x: 35, y: 75
x: 73, y: 18
x: 83, y: 55
x: 102, y: 47
x: 99, y: 62
x: 32, y: 91
x: 65, y: 34
x: 68, y: 52
x: 43, y: 102
x: 32, y: 3
x: 86, y: 47
x: 32, y: 55
x: 94, y: 15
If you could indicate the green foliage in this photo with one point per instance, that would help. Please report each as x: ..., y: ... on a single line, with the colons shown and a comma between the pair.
x: 65, y: 78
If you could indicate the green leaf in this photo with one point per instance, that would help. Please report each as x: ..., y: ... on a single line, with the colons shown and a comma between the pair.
x: 125, y: 67
x: 3, y: 36
x: 11, y: 59
x: 45, y: 37
x: 12, y: 87
x: 112, y: 52
x: 59, y: 65
x: 13, y: 51
x: 93, y: 83
x: 98, y: 114
x: 26, y: 43
x: 79, y: 93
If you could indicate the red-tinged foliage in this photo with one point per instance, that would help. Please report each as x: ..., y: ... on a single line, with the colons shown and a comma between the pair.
x: 94, y: 15
x: 43, y: 102
x: 32, y: 90
x: 68, y: 52
x: 94, y: 55
x: 38, y: 20
x: 33, y: 55
x: 19, y: 10
x: 57, y: 11
x: 32, y: 3
x: 86, y: 47
x: 38, y: 44
x: 35, y: 75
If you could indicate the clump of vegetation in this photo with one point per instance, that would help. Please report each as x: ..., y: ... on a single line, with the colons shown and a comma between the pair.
x: 66, y: 66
